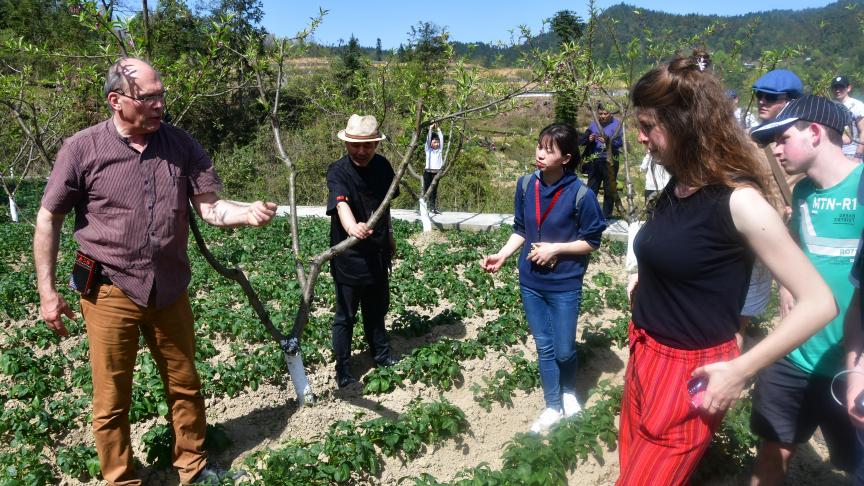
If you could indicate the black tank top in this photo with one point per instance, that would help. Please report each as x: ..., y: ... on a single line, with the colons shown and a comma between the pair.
x: 694, y: 270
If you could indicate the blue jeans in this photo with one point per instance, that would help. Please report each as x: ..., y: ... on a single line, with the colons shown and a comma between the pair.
x: 552, y: 317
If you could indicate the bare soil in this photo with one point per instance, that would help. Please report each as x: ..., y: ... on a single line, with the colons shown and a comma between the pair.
x: 263, y: 419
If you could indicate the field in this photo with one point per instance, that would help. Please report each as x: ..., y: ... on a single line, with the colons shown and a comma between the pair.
x: 455, y: 409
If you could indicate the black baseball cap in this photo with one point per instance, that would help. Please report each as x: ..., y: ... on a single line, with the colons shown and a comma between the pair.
x: 841, y: 81
x: 816, y: 109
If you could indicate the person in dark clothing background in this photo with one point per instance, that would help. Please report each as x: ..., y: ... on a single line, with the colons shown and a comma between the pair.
x: 598, y: 141
x: 357, y: 184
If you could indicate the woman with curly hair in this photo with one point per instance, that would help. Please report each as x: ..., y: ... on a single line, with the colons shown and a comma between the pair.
x: 695, y: 255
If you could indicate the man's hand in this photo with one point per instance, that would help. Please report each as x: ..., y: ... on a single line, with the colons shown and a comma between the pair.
x: 53, y: 307
x: 261, y: 213
x: 592, y: 137
x: 359, y: 231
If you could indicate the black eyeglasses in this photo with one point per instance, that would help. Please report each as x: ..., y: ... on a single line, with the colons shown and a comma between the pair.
x: 160, y: 96
x: 769, y: 97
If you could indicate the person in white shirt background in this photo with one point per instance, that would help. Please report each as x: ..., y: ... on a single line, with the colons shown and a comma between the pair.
x: 746, y: 120
x: 434, y: 163
x: 852, y: 148
x: 656, y: 176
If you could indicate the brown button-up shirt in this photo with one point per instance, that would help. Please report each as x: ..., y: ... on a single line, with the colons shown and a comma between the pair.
x: 131, y: 208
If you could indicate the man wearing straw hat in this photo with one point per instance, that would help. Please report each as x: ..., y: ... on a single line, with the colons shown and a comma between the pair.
x: 357, y: 184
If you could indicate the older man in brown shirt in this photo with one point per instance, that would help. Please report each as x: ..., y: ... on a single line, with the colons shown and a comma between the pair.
x: 129, y: 180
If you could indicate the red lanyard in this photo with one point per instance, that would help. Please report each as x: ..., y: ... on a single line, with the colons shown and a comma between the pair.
x: 537, y: 205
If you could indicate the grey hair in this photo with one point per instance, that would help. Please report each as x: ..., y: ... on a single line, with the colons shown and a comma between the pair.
x: 114, y: 78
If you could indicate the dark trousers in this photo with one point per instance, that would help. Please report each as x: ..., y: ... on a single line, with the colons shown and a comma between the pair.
x: 374, y: 301
x: 598, y: 173
x: 433, y: 196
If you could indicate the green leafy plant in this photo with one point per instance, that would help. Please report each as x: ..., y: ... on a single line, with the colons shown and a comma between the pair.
x: 158, y: 443
x: 591, y: 302
x: 24, y: 465
x: 616, y: 298
x: 602, y: 279
x: 523, y: 375
x: 79, y: 461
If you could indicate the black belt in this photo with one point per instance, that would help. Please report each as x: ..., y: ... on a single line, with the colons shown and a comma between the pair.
x: 103, y: 280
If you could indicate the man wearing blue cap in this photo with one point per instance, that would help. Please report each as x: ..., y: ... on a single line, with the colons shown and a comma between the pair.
x: 852, y: 146
x: 774, y: 90
x: 794, y: 395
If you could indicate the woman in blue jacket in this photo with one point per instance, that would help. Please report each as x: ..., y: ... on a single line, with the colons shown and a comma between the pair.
x: 557, y: 222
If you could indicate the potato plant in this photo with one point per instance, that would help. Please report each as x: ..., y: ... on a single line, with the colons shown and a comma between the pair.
x: 46, y: 382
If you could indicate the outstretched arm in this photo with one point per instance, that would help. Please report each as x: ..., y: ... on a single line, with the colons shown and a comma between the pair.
x: 493, y: 263
x: 230, y: 214
x: 757, y: 221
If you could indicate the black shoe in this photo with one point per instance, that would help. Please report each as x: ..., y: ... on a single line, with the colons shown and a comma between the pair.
x: 213, y: 474
x: 386, y: 363
x: 345, y: 380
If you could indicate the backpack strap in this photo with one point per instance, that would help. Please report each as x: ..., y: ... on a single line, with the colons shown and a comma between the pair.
x: 583, y: 189
x: 580, y: 195
x: 524, y: 180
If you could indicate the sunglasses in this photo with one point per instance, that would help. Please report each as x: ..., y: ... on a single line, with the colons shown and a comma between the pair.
x: 769, y: 97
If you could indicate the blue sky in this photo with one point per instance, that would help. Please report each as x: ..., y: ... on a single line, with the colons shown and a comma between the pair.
x: 467, y: 20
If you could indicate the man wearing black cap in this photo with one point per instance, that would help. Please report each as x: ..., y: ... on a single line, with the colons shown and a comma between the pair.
x: 794, y: 396
x: 852, y: 147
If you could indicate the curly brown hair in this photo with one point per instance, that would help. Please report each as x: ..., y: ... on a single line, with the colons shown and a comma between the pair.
x: 705, y: 145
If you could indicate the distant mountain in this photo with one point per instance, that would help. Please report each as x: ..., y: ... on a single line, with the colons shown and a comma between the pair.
x: 830, y: 37
x: 834, y: 30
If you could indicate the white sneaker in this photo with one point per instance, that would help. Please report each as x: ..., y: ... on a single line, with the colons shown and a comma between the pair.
x: 546, y: 420
x: 571, y: 404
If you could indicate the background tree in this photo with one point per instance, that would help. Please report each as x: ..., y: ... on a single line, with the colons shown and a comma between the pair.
x: 567, y: 27
x: 352, y: 69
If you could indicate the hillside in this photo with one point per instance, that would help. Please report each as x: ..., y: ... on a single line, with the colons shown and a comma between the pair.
x: 827, y: 29
x: 820, y: 40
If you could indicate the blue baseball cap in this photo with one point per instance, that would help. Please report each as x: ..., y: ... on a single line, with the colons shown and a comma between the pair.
x: 780, y: 81
x: 731, y: 93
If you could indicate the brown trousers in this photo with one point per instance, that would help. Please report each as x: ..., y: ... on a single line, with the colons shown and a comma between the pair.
x: 113, y: 326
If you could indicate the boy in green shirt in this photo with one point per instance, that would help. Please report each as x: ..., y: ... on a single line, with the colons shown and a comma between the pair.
x: 792, y: 397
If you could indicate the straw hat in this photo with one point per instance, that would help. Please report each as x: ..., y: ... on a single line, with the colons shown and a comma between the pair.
x: 361, y: 129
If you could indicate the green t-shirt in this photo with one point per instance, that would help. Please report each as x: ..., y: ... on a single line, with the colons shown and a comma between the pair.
x: 828, y: 224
